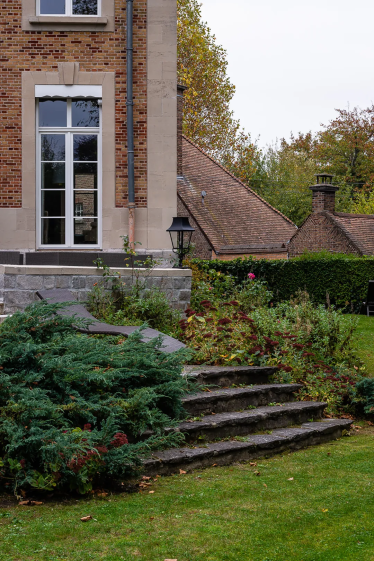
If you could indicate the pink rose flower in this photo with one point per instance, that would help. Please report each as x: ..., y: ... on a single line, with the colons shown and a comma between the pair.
x: 251, y: 276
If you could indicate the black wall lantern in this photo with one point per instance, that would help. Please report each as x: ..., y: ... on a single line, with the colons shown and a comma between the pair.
x: 181, y: 233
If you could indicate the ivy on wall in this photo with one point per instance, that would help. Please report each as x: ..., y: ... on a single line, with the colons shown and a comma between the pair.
x: 340, y: 280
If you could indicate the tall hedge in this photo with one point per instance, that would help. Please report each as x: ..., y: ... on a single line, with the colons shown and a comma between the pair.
x: 342, y: 281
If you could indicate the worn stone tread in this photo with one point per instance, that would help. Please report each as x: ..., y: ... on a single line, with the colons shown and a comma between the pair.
x: 226, y: 376
x: 246, y: 422
x: 234, y: 399
x: 169, y: 345
x: 227, y: 452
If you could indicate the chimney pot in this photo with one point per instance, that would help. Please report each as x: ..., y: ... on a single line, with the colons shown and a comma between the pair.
x: 323, y: 193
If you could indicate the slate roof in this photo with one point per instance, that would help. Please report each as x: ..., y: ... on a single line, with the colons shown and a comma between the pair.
x: 359, y: 228
x: 231, y: 214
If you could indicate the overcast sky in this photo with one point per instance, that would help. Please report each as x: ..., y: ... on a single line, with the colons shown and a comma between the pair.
x: 294, y: 61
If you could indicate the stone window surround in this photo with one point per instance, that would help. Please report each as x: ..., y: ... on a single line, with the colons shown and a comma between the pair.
x: 33, y: 22
x: 68, y: 74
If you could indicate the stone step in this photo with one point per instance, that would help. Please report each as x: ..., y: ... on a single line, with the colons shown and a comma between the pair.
x: 223, y: 425
x: 171, y: 461
x: 228, y: 376
x: 236, y: 399
x: 1, y: 308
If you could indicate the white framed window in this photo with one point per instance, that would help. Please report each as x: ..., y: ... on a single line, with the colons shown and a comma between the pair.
x: 68, y: 172
x: 68, y: 7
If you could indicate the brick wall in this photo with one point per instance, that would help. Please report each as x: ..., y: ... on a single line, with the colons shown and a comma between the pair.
x: 317, y: 233
x: 96, y: 52
x: 203, y: 249
x: 323, y: 200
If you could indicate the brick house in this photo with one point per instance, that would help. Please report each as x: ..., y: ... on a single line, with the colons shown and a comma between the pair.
x: 230, y: 219
x: 326, y: 229
x: 64, y: 136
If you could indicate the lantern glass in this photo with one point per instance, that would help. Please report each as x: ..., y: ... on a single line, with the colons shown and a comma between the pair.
x: 181, y: 234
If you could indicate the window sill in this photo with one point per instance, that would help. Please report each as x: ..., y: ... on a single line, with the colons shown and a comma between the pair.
x: 76, y: 20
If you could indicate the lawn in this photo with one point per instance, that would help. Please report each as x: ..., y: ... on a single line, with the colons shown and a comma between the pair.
x: 364, y: 340
x: 325, y: 513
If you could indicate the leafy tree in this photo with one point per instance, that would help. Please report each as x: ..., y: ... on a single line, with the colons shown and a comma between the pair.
x: 202, y: 67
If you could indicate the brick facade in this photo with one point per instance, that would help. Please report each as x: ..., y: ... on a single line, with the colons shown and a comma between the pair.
x: 96, y: 51
x: 320, y: 232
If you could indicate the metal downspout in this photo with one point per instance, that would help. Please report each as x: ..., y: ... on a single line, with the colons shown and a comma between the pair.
x: 130, y: 120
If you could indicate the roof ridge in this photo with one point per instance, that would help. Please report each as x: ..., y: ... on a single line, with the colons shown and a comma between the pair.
x: 353, y: 215
x: 238, y: 180
x: 351, y: 238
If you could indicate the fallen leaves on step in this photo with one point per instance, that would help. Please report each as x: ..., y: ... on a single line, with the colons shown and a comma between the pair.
x: 30, y: 503
x: 86, y: 518
x: 145, y: 478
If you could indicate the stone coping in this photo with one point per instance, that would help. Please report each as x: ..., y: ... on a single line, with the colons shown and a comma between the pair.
x: 87, y: 271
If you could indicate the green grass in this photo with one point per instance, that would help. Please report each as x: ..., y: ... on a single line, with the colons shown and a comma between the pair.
x: 364, y: 343
x: 221, y: 514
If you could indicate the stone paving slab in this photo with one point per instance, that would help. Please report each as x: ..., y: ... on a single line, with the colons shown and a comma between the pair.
x: 169, y: 344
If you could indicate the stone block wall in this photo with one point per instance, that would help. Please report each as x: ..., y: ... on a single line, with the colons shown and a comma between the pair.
x: 19, y: 284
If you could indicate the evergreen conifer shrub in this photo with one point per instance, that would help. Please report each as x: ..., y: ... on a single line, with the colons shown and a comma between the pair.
x: 76, y: 408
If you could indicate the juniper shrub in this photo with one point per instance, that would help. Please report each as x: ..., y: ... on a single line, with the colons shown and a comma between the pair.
x: 75, y: 408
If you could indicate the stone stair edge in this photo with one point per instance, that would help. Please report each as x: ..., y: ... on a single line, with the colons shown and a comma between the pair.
x: 192, y: 370
x: 258, y: 412
x: 230, y: 451
x: 231, y: 392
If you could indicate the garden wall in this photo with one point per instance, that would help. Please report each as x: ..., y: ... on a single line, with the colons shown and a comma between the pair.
x: 342, y: 281
x: 18, y: 284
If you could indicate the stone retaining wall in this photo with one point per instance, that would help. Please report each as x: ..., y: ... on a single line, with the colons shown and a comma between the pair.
x: 18, y: 284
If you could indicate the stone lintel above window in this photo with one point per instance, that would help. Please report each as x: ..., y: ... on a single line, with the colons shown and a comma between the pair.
x: 31, y: 21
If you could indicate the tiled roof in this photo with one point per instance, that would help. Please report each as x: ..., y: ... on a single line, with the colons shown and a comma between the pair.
x: 359, y: 228
x: 231, y: 214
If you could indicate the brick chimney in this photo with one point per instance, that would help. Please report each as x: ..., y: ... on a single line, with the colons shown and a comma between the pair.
x: 323, y: 193
x: 180, y: 92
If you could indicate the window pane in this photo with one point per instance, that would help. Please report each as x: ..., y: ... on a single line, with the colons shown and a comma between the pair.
x: 85, y: 113
x: 85, y: 231
x: 85, y: 176
x: 53, y: 176
x: 85, y: 203
x: 52, y: 113
x: 85, y: 148
x: 53, y: 203
x: 53, y: 147
x: 86, y: 7
x: 53, y: 231
x: 52, y: 6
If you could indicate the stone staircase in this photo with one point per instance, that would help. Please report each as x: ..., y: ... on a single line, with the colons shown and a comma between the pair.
x: 234, y: 424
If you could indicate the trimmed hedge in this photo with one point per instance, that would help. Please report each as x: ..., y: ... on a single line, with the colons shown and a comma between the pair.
x: 342, y: 281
